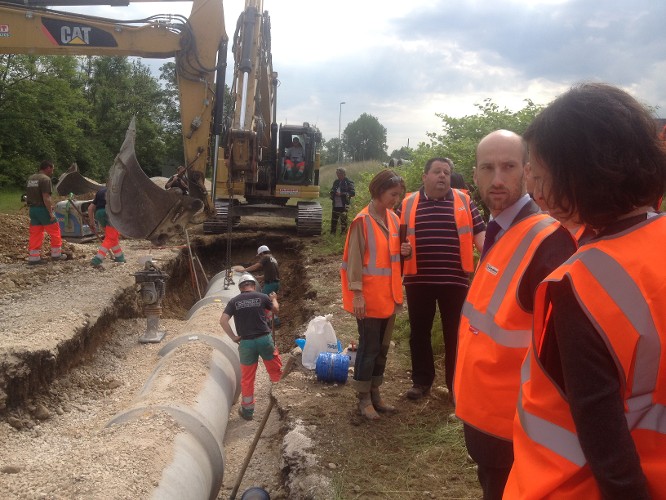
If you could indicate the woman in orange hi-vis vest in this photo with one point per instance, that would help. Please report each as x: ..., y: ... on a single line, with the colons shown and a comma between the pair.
x: 591, y: 414
x: 372, y: 286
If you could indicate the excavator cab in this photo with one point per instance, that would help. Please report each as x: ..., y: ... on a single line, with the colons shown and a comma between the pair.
x: 298, y: 155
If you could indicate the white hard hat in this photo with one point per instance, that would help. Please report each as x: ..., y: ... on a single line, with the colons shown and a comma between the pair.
x: 246, y: 278
x: 262, y: 249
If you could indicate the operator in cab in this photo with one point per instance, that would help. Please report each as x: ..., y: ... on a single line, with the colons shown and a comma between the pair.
x: 294, y: 160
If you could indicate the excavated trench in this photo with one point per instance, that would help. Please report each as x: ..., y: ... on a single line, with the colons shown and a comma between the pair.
x: 295, y: 293
x: 38, y: 369
x: 45, y: 373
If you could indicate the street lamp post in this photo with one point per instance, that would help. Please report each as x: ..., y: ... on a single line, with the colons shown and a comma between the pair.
x: 340, y: 130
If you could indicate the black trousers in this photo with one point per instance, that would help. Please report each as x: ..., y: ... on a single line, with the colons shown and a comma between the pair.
x: 422, y: 301
x: 339, y: 213
x: 494, y: 458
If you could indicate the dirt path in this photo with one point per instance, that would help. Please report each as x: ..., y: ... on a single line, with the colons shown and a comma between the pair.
x: 314, y: 446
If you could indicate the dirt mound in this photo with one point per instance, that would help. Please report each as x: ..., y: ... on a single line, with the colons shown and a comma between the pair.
x: 14, y: 234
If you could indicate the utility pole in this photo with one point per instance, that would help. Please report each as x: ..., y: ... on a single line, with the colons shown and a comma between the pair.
x: 340, y: 130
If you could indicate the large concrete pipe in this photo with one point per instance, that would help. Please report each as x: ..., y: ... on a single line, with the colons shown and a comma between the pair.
x: 185, y: 404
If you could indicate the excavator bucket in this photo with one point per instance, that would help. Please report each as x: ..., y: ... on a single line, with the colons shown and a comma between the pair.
x: 140, y: 209
x: 73, y: 182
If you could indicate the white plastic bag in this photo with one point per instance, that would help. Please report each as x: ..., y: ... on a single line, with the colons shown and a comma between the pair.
x: 319, y: 337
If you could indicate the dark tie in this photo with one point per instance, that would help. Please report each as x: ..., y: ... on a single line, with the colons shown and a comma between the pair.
x: 491, y: 233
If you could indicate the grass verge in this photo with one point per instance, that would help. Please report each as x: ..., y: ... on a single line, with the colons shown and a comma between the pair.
x: 10, y: 200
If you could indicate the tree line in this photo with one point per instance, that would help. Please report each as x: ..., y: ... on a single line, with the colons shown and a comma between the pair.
x: 77, y: 108
x: 456, y: 140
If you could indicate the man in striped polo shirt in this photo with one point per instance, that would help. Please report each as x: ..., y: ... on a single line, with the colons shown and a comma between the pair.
x: 442, y: 224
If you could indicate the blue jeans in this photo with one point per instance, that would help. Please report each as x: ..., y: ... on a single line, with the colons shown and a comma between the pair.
x: 373, y: 346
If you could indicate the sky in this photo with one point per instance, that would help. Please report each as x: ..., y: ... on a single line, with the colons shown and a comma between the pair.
x: 406, y: 61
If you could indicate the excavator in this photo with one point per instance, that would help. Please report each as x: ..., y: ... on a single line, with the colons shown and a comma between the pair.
x: 254, y: 178
x: 244, y: 154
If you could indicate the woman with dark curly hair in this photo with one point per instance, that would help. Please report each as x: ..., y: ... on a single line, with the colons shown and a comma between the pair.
x: 591, y: 420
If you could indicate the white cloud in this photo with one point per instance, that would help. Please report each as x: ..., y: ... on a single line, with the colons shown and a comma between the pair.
x: 405, y: 61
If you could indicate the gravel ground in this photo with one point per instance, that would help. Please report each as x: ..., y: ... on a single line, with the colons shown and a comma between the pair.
x: 55, y: 442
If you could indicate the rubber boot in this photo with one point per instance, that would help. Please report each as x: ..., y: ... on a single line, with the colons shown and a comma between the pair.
x: 365, y: 406
x: 96, y: 261
x: 379, y: 403
x: 120, y: 258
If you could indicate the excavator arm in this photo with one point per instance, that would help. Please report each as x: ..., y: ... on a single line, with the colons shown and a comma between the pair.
x: 252, y: 178
x: 250, y: 139
x: 194, y: 42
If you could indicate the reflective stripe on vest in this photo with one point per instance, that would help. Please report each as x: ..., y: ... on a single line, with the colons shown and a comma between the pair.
x: 495, y: 330
x: 464, y: 205
x: 558, y: 439
x: 625, y: 295
x: 485, y: 322
x: 408, y: 212
x: 624, y: 292
x: 381, y: 275
x: 371, y: 268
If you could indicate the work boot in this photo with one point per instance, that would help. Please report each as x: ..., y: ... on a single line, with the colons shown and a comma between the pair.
x: 120, y: 258
x: 60, y: 258
x: 418, y: 391
x: 36, y: 262
x: 379, y: 403
x: 365, y: 406
x: 245, y: 413
x: 96, y: 261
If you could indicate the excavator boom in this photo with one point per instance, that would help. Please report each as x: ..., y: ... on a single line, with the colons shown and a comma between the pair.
x: 253, y: 178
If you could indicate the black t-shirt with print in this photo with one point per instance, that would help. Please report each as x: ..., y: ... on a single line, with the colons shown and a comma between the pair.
x: 249, y: 312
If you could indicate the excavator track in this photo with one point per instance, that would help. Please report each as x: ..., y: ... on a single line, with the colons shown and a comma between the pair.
x: 309, y: 219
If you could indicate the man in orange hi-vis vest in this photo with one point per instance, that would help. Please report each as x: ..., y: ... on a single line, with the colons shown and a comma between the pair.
x: 522, y: 247
x: 443, y: 224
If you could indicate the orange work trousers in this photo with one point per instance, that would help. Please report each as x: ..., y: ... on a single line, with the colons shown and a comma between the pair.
x: 37, y: 239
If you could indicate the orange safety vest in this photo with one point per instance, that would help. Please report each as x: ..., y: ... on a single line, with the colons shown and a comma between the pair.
x: 382, y: 282
x: 495, y: 331
x: 619, y: 283
x: 579, y: 232
x: 462, y: 215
